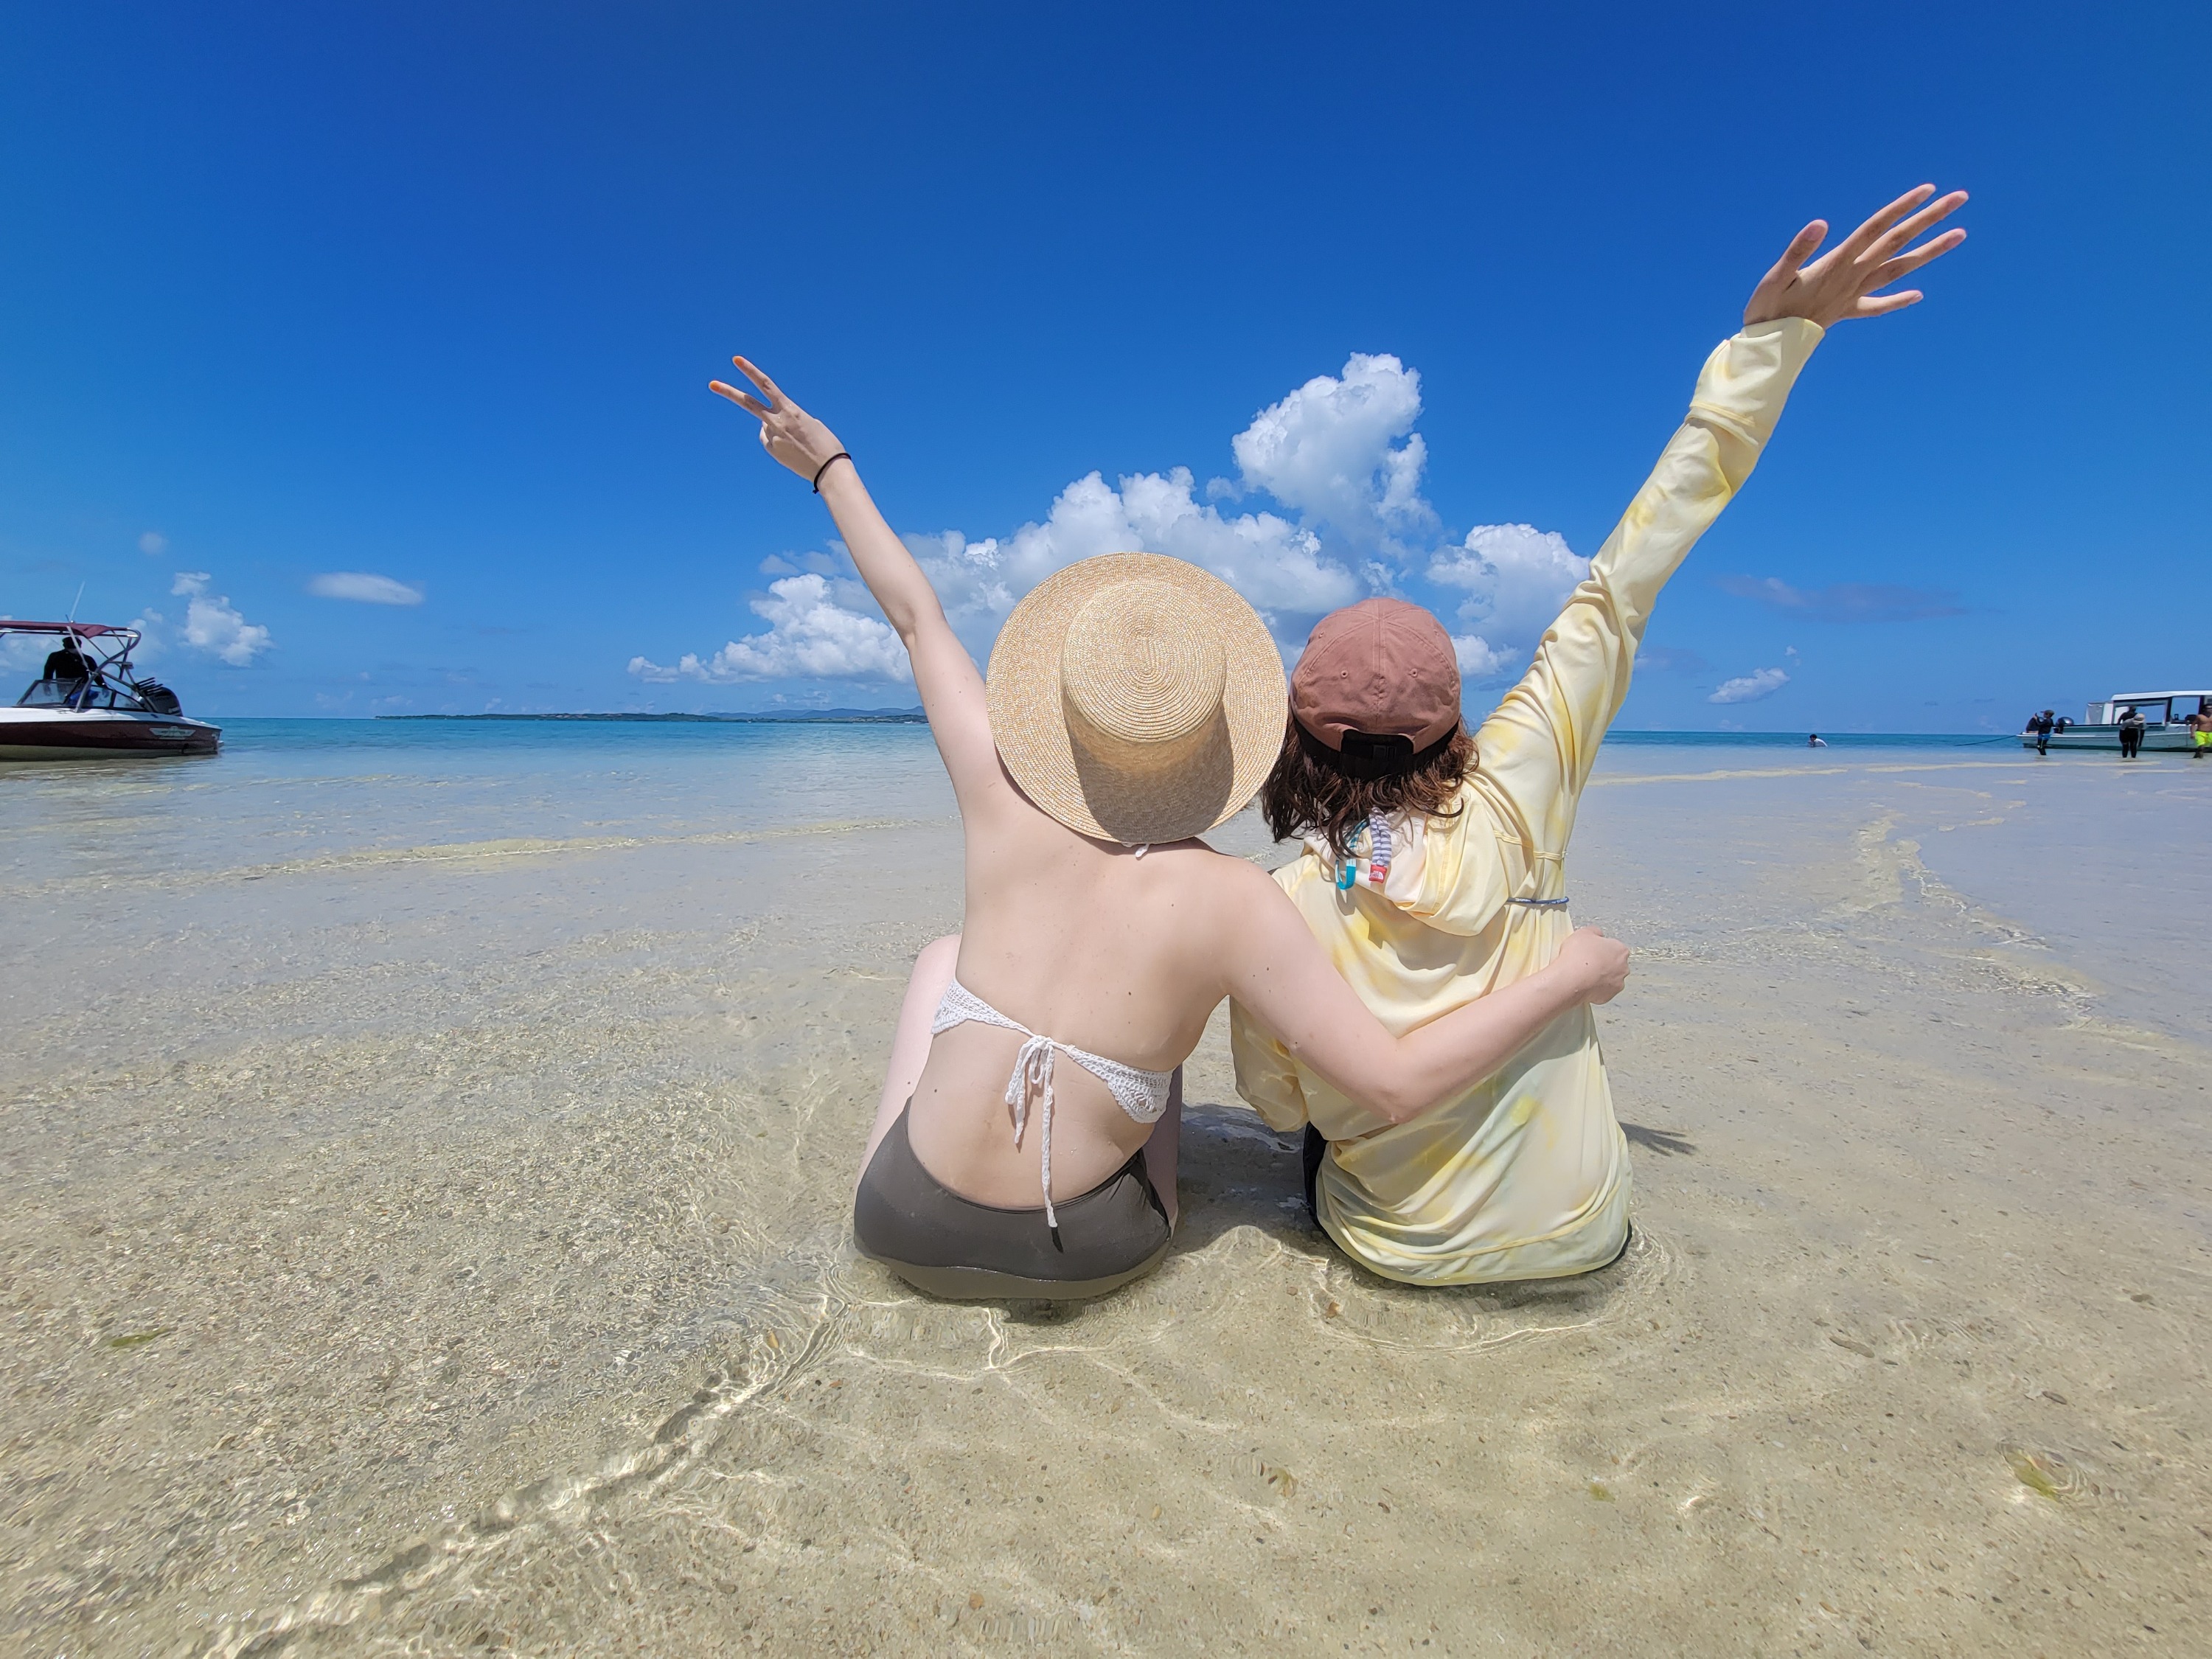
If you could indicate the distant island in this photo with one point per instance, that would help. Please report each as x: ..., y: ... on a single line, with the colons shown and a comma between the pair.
x: 780, y: 717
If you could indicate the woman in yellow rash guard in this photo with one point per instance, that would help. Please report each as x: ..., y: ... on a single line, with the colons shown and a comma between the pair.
x: 1455, y: 851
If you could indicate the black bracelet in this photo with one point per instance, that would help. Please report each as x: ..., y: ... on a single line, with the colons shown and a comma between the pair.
x: 840, y: 456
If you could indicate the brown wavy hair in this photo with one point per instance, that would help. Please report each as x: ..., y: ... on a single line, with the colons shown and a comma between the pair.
x: 1310, y: 789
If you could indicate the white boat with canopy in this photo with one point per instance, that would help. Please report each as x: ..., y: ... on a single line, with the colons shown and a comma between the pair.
x: 2165, y: 715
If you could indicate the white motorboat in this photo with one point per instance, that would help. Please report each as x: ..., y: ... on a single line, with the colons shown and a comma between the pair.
x: 89, y: 703
x: 2166, y: 721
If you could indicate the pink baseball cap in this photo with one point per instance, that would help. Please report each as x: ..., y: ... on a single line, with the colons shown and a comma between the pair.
x: 1382, y: 668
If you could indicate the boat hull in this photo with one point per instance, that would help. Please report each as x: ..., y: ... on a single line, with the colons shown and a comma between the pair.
x: 55, y: 734
x: 2169, y: 740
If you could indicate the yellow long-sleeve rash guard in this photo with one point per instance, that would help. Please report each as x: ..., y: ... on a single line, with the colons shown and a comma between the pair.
x: 1525, y: 1175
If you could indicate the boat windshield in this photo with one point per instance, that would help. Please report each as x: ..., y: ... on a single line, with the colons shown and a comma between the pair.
x: 80, y: 693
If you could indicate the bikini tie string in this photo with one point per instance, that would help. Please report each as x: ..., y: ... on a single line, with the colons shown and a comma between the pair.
x: 1033, y: 1072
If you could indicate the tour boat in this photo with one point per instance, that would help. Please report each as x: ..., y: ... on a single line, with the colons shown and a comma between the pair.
x: 2165, y: 717
x: 90, y: 704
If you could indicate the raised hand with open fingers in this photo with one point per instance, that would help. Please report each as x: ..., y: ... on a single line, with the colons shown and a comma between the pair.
x: 1841, y: 284
x: 788, y: 432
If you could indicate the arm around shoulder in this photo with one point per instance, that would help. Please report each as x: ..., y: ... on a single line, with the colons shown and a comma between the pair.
x: 1276, y: 970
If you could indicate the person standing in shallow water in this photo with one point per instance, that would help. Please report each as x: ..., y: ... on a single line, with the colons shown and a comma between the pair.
x: 2042, y: 725
x: 1434, y: 864
x: 2132, y: 727
x: 2200, y: 729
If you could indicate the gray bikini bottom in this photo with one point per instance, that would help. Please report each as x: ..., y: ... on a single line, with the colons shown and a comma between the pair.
x: 953, y: 1247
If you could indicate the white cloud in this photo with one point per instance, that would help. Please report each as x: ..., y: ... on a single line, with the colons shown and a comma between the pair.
x: 1750, y: 687
x: 1343, y: 465
x: 1516, y: 578
x: 1276, y: 565
x: 1326, y: 451
x: 153, y: 643
x: 810, y: 636
x: 363, y: 588
x: 23, y: 651
x: 1479, y: 659
x: 153, y: 542
x: 213, y: 625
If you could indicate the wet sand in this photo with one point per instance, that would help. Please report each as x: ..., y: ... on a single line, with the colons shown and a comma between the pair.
x: 434, y: 1241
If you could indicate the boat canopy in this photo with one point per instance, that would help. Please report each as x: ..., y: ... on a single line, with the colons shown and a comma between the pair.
x: 2157, y: 707
x: 85, y: 630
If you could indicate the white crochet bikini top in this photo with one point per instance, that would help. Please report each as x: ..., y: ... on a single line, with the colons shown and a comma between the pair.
x: 1143, y: 1095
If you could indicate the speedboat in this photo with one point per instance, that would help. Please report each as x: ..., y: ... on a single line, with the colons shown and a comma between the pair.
x: 89, y: 703
x: 2164, y: 713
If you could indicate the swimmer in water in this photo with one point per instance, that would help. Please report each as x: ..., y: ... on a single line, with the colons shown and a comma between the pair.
x: 1816, y: 741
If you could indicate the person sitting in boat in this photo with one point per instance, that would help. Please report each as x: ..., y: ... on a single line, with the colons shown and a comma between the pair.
x: 68, y: 665
x: 1434, y: 862
x: 1133, y: 703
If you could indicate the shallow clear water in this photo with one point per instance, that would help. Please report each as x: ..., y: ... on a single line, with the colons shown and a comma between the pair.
x: 2104, y: 860
x: 424, y: 1231
x: 285, y: 787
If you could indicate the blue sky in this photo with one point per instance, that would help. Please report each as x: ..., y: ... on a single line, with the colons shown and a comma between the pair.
x: 307, y: 310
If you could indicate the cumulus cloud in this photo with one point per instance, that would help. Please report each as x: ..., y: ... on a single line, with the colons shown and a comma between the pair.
x: 363, y: 588
x: 1338, y: 455
x: 1276, y: 565
x: 1479, y: 659
x: 1330, y: 450
x: 810, y: 636
x: 1279, y: 566
x: 18, y: 652
x: 153, y: 542
x: 1516, y: 577
x: 1847, y: 602
x: 1750, y: 687
x: 213, y: 625
x: 1337, y: 467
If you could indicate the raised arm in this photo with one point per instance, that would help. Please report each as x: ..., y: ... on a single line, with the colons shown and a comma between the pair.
x: 1540, y: 744
x: 944, y: 674
x: 1279, y: 973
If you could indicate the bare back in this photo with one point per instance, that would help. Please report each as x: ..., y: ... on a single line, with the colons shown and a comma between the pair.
x: 1083, y: 942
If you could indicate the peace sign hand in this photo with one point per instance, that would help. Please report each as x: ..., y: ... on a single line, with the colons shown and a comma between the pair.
x: 1841, y: 284
x: 788, y: 432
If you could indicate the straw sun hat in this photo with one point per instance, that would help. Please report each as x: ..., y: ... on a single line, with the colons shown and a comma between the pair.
x: 1136, y: 698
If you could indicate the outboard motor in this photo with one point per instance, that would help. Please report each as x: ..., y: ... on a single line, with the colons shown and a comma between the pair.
x: 159, y: 698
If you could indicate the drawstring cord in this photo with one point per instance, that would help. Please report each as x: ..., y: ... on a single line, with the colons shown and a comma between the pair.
x: 1033, y: 1070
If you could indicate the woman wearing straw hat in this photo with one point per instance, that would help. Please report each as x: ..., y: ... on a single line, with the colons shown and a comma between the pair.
x: 1026, y: 1143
